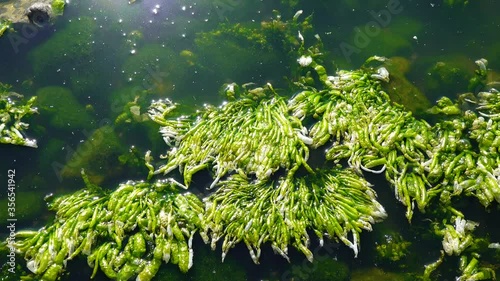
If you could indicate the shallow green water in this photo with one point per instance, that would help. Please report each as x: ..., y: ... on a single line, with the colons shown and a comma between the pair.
x: 106, y: 52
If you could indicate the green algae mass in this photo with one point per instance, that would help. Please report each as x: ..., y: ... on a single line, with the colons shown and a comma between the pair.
x: 393, y: 248
x: 115, y: 230
x: 4, y: 26
x: 13, y: 110
x: 68, y: 48
x: 62, y: 109
x: 58, y: 6
x: 98, y: 156
x: 271, y: 42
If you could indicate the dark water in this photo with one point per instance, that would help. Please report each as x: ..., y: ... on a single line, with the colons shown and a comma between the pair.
x: 422, y: 32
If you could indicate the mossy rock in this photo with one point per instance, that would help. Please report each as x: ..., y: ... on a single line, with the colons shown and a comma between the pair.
x: 156, y: 68
x: 4, y: 26
x: 68, y: 48
x: 62, y: 108
x: 401, y: 90
x: 58, y: 6
x: 377, y: 274
x: 98, y: 156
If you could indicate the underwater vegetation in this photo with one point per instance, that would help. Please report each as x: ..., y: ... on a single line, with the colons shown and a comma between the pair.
x: 13, y: 108
x: 266, y: 190
x: 4, y: 26
x: 58, y: 7
x: 62, y: 109
x: 272, y: 42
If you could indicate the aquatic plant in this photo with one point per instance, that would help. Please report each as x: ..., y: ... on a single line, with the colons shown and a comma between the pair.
x: 13, y: 108
x: 272, y: 42
x: 4, y: 26
x: 251, y: 135
x: 116, y: 230
x: 256, y: 145
x: 58, y: 6
x: 336, y: 203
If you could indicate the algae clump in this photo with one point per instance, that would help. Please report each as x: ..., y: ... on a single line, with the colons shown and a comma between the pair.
x: 4, y: 26
x: 58, y: 7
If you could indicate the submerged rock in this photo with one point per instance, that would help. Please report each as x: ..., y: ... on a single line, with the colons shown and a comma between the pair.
x: 38, y: 12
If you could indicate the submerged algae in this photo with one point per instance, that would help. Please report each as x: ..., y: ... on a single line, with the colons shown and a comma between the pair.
x: 13, y: 111
x: 349, y: 111
x: 68, y: 48
x: 58, y: 6
x: 4, y: 26
x: 62, y: 109
x: 343, y: 202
